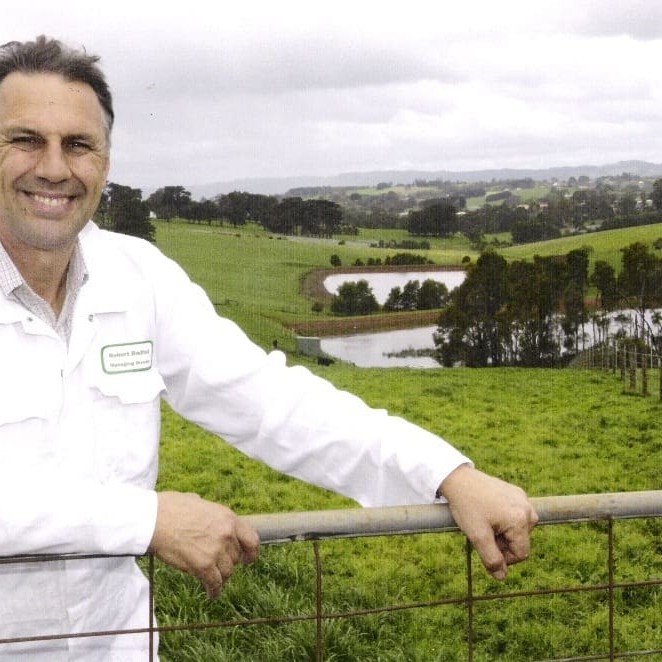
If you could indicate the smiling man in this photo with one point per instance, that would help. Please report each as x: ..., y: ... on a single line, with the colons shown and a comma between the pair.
x: 96, y: 328
x: 54, y: 159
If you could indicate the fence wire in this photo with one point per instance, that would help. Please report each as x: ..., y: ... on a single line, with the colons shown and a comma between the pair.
x: 314, y: 527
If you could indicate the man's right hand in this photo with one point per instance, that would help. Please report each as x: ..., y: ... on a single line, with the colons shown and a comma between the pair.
x: 202, y: 538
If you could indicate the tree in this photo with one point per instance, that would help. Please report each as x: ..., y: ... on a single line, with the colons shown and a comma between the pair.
x: 575, y: 309
x: 354, y: 298
x: 287, y: 216
x: 320, y: 218
x: 432, y: 294
x: 170, y: 202
x: 235, y: 207
x: 438, y: 219
x: 539, y: 229
x: 127, y: 212
x: 604, y: 279
x: 393, y: 302
x: 471, y: 328
x: 656, y: 195
x: 641, y: 278
x: 203, y: 211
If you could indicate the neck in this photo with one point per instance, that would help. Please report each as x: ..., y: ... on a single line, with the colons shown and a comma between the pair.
x: 44, y: 271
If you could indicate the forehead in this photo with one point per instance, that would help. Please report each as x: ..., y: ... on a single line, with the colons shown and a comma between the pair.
x: 49, y: 103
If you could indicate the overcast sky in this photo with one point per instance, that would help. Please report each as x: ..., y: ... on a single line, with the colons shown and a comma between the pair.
x: 212, y: 91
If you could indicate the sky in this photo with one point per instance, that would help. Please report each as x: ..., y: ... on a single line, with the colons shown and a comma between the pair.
x: 209, y: 91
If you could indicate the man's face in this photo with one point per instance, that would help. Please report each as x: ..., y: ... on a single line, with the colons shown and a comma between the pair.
x: 53, y: 160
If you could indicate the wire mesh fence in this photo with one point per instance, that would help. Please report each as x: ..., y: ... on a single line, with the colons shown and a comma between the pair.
x: 315, y: 527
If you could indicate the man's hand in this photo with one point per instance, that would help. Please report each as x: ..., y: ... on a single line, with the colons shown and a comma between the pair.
x: 496, y: 517
x: 202, y: 538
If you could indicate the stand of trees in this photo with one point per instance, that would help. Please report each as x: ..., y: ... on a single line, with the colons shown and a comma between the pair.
x: 533, y: 313
x: 414, y: 296
x: 437, y: 218
x: 357, y: 298
x: 291, y: 215
x: 122, y: 209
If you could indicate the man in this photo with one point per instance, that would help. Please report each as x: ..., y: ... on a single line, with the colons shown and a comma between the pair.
x: 95, y: 328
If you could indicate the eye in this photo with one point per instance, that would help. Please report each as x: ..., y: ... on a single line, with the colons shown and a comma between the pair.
x: 27, y: 143
x: 76, y: 146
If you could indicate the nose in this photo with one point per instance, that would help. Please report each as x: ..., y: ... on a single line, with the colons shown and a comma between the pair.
x: 53, y: 165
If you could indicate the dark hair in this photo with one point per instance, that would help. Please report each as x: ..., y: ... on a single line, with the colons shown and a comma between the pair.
x: 46, y: 55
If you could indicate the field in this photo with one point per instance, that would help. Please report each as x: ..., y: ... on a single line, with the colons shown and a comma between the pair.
x: 553, y: 432
x: 604, y: 245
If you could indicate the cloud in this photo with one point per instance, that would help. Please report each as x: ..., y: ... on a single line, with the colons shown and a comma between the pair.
x: 207, y: 92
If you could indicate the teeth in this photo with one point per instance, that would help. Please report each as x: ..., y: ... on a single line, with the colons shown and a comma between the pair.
x: 50, y: 202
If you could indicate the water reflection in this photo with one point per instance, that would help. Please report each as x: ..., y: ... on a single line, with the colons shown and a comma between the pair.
x: 367, y: 350
x: 382, y: 282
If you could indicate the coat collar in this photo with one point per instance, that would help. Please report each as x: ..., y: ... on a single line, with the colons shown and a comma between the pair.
x: 109, y: 288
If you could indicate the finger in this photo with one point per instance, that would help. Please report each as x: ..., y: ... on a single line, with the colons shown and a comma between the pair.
x: 491, y: 556
x: 249, y: 541
x: 514, y: 545
x: 225, y: 565
x: 213, y: 583
x: 515, y: 542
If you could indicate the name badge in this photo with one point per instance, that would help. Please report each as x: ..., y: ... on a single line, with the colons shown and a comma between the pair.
x: 127, y: 357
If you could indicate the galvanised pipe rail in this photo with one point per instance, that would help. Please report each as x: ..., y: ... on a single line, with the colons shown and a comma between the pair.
x: 355, y: 522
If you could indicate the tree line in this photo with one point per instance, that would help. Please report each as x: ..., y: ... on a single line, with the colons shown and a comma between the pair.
x: 533, y: 313
x: 357, y: 298
x: 123, y: 209
x: 290, y: 215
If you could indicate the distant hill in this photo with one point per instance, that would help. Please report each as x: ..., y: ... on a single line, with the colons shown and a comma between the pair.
x: 280, y: 185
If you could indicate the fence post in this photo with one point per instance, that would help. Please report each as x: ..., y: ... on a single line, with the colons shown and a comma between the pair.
x: 632, y: 360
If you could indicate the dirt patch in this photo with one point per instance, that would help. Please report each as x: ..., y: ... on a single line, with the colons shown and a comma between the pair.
x: 365, y: 323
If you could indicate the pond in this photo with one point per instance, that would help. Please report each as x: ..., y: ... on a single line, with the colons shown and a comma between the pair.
x: 375, y: 350
x: 382, y: 282
x: 371, y: 350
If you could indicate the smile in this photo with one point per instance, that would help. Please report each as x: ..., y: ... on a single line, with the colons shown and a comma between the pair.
x: 50, y: 201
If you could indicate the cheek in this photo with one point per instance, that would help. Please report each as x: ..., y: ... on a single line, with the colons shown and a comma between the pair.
x: 13, y: 167
x: 93, y: 175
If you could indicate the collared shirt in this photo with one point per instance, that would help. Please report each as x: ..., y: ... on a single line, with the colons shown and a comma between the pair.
x: 14, y: 286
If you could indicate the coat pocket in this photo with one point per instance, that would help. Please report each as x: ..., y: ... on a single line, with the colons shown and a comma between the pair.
x: 126, y: 411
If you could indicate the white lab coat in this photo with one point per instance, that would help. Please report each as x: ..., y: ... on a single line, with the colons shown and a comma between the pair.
x: 79, y: 434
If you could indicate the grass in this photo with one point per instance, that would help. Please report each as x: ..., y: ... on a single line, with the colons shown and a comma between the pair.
x: 604, y: 245
x: 553, y: 432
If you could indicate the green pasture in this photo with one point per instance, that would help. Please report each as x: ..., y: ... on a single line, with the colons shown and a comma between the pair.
x: 525, y: 195
x: 254, y: 277
x: 553, y: 432
x: 604, y: 245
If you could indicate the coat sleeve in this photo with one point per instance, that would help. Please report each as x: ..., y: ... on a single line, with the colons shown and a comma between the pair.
x: 285, y: 416
x: 51, y: 514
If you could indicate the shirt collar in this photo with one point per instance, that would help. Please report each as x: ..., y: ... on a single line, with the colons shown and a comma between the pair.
x: 11, y: 278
